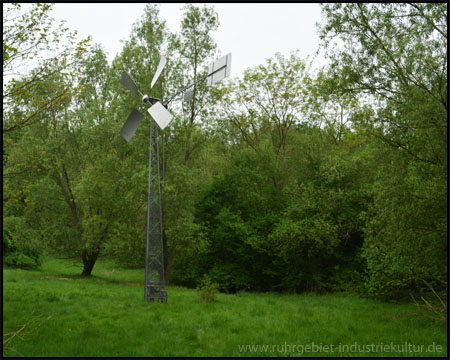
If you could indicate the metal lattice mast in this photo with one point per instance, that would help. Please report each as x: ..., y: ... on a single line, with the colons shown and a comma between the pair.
x: 154, y: 259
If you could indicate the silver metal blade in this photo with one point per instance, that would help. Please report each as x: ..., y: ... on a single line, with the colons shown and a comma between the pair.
x: 131, y: 125
x: 128, y: 82
x: 162, y: 63
x: 160, y: 114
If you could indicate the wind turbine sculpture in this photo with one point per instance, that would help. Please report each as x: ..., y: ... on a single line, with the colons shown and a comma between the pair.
x: 154, y: 257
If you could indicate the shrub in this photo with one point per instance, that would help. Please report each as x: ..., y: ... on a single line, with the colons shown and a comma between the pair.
x: 21, y: 249
x: 207, y: 289
x: 19, y: 260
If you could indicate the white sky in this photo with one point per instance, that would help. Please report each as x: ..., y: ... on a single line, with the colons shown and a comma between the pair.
x: 252, y: 32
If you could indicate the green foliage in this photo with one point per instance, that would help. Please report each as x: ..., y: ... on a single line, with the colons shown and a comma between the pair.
x: 403, y: 243
x: 286, y: 215
x: 73, y: 196
x: 236, y: 213
x: 190, y: 237
x: 20, y: 244
x: 207, y: 289
x: 189, y: 50
x: 127, y: 244
x: 32, y: 34
x: 400, y: 67
x: 304, y: 247
x: 267, y: 102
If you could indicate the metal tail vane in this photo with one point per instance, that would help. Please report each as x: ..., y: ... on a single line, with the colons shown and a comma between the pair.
x: 217, y: 71
x: 154, y: 259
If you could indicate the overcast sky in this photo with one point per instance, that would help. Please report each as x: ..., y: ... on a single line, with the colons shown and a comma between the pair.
x: 251, y: 32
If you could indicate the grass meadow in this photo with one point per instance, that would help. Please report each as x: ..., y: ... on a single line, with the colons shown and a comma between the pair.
x: 55, y: 312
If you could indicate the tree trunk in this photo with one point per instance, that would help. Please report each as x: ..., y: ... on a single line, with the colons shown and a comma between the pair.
x: 88, y: 263
x: 168, y: 262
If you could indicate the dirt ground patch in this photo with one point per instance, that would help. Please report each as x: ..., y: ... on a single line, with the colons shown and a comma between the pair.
x: 55, y: 278
x: 50, y: 277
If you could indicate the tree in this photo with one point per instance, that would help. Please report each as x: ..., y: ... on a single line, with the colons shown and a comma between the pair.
x: 265, y: 108
x: 188, y: 145
x: 236, y: 212
x: 401, y: 61
x: 306, y: 237
x: 239, y: 210
x: 191, y: 48
x: 319, y: 233
x: 396, y: 55
x: 268, y: 99
x: 74, y: 166
x: 36, y: 62
x: 329, y: 109
x: 29, y: 35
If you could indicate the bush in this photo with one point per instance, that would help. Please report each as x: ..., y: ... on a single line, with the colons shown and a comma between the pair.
x: 19, y: 260
x: 207, y: 289
x: 21, y: 248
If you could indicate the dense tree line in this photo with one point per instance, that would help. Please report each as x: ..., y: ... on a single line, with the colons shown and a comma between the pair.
x: 282, y: 180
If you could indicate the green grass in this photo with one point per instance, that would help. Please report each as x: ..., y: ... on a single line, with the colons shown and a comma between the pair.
x: 106, y: 315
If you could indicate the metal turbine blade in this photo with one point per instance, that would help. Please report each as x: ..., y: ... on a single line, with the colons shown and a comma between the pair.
x: 160, y: 114
x: 128, y: 82
x: 162, y: 63
x: 131, y: 125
